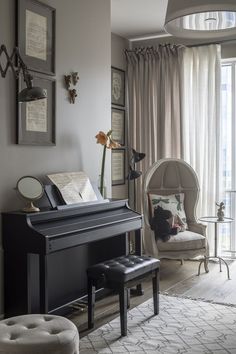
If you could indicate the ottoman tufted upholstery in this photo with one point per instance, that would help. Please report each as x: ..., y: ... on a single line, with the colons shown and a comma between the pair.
x: 38, y: 334
x: 120, y: 274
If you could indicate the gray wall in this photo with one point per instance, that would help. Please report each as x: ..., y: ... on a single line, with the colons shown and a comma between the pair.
x: 118, y: 45
x: 83, y: 44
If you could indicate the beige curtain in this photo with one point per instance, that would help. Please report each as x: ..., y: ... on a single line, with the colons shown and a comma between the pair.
x: 154, y: 105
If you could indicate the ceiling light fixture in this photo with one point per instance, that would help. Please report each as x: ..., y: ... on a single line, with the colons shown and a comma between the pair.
x: 201, y: 18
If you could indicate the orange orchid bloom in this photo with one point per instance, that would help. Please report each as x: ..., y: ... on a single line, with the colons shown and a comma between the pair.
x: 101, y: 138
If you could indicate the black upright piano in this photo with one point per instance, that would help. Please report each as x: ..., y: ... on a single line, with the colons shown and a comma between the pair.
x: 46, y: 254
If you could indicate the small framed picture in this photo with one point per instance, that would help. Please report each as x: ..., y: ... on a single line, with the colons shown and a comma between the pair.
x: 36, y: 119
x: 36, y: 35
x: 117, y: 87
x: 118, y: 125
x: 118, y: 166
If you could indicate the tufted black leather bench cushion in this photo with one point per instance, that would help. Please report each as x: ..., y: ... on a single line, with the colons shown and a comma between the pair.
x: 123, y: 269
x: 120, y: 274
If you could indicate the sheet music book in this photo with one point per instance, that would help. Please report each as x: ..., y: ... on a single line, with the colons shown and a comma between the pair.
x: 75, y: 187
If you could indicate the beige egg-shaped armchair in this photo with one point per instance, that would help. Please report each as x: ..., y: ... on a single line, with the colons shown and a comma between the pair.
x: 169, y: 177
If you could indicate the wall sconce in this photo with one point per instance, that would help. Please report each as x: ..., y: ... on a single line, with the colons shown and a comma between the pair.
x: 70, y: 79
x: 30, y: 93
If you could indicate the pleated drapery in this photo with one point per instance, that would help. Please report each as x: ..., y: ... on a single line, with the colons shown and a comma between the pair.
x: 154, y: 104
x: 200, y: 97
x: 174, y: 111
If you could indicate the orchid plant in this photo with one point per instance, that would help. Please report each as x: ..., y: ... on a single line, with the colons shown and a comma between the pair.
x: 105, y: 140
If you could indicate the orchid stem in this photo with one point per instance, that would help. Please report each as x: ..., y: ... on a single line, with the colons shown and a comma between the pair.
x: 102, y: 170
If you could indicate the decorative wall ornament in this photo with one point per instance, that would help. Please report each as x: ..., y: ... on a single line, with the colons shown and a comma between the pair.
x: 72, y: 94
x: 75, y: 78
x: 71, y: 79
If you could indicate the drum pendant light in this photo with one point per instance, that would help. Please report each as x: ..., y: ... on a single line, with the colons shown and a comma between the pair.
x: 201, y: 18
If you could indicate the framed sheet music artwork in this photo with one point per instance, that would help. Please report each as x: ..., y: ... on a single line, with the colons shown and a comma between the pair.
x: 118, y: 166
x: 118, y: 125
x: 36, y: 35
x: 36, y: 119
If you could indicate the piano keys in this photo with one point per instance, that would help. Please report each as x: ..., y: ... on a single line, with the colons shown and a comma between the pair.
x: 46, y: 254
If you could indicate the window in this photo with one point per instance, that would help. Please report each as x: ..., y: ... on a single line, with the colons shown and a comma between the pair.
x: 227, y: 153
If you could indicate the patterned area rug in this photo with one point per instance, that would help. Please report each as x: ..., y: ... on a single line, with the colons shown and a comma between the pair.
x: 183, y: 326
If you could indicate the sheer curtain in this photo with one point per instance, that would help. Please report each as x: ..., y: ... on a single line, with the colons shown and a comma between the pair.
x: 200, y: 96
x: 154, y: 104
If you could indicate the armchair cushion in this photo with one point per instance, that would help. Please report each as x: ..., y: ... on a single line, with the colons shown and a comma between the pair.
x: 185, y: 240
x: 173, y: 202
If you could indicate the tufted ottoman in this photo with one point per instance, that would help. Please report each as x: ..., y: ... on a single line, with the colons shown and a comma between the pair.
x: 120, y: 274
x: 38, y: 334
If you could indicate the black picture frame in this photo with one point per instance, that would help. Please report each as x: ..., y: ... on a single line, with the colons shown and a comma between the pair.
x: 117, y: 87
x: 118, y: 125
x: 41, y: 129
x: 118, y: 166
x: 35, y: 35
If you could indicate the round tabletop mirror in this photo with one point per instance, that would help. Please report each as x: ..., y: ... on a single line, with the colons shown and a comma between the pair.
x: 31, y: 189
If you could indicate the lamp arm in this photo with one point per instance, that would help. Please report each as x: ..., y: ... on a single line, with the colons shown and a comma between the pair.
x: 16, y: 70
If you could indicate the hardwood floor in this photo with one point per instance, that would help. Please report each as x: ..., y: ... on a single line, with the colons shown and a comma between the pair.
x: 175, y: 279
x: 213, y: 286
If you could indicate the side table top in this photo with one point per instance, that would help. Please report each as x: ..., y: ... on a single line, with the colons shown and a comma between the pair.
x: 214, y: 219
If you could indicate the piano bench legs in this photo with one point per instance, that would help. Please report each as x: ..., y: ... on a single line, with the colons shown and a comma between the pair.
x: 113, y: 275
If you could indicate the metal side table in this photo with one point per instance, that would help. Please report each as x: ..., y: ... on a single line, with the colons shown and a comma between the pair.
x: 214, y: 219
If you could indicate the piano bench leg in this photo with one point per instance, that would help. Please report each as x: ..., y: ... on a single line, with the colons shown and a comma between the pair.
x: 123, y: 296
x: 155, y: 287
x: 91, y: 303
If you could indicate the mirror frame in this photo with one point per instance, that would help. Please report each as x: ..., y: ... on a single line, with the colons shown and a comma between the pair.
x: 30, y: 208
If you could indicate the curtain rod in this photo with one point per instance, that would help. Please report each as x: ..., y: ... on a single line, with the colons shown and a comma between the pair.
x: 194, y: 45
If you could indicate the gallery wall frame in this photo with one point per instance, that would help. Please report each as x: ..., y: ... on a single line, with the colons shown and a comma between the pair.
x: 35, y: 35
x: 118, y: 125
x: 36, y: 120
x: 117, y: 87
x: 118, y: 166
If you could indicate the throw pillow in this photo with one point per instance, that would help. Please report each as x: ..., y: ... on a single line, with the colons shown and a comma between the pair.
x: 173, y: 202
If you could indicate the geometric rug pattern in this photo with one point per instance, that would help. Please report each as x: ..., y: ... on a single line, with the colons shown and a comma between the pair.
x: 183, y: 326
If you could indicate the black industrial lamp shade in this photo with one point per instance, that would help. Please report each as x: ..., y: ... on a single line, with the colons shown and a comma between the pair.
x: 32, y: 94
x: 134, y: 174
x: 137, y: 156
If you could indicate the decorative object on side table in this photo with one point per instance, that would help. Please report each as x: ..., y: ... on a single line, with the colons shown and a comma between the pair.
x: 220, y: 211
x: 108, y: 143
x: 36, y: 35
x: 70, y: 79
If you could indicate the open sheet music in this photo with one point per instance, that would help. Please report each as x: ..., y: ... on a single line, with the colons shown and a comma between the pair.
x: 75, y: 187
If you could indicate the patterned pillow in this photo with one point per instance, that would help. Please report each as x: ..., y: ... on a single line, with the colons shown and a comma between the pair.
x: 173, y: 202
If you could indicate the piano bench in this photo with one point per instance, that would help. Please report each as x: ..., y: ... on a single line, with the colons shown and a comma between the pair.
x: 119, y: 274
x: 38, y: 334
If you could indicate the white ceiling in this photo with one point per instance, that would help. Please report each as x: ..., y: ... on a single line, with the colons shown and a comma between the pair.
x: 137, y: 18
